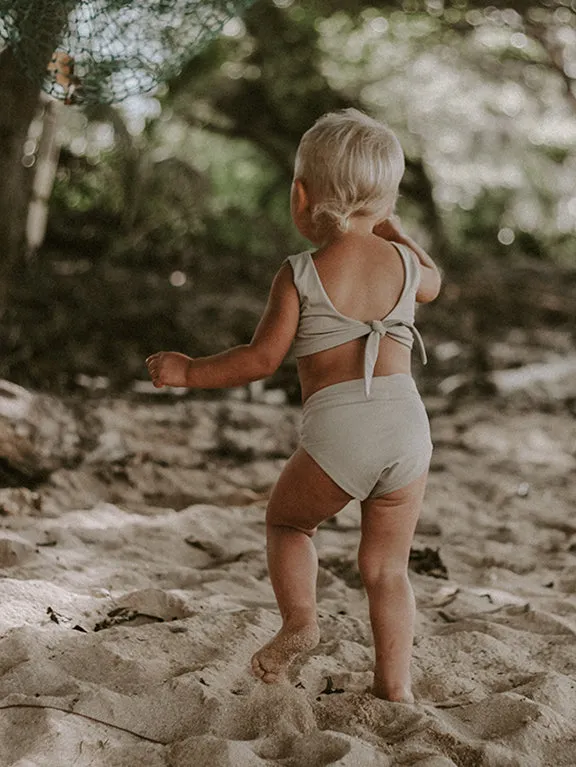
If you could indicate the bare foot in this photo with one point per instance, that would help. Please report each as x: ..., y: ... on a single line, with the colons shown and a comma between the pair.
x: 272, y: 660
x: 394, y: 695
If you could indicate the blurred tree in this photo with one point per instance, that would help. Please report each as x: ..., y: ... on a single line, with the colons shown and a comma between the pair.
x: 404, y: 62
x: 143, y: 230
x: 269, y: 88
x: 19, y: 99
x: 98, y: 52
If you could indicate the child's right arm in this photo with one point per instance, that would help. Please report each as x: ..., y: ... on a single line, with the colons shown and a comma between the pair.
x: 244, y: 363
x: 430, y: 277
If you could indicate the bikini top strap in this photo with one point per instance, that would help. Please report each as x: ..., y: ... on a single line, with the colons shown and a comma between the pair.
x: 302, y: 275
x: 411, y: 266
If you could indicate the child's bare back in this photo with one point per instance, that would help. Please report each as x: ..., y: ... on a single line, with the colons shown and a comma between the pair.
x: 363, y: 276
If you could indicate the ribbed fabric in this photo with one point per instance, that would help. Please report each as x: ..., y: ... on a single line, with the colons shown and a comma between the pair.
x: 322, y: 326
x: 369, y: 447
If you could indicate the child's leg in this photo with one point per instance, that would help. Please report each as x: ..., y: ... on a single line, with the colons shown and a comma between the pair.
x: 303, y: 497
x: 388, y: 524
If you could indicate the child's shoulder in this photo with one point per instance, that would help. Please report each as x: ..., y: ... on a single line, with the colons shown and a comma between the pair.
x: 296, y: 264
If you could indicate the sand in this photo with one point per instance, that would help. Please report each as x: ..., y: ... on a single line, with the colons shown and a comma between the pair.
x: 133, y: 592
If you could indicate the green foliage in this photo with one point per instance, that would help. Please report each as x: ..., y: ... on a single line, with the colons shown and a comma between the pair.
x: 82, y: 187
x: 169, y: 234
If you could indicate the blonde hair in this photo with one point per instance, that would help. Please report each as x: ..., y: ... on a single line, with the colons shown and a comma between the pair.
x: 351, y: 165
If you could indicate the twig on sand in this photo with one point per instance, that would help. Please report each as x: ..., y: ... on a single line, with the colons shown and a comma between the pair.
x: 85, y: 716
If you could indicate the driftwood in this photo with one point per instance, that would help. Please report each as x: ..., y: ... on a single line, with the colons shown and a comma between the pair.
x: 38, y: 434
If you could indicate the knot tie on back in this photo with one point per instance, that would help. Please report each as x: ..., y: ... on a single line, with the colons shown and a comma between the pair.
x: 380, y: 326
x: 378, y: 329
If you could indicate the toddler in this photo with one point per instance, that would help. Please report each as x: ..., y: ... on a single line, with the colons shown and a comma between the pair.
x: 349, y: 309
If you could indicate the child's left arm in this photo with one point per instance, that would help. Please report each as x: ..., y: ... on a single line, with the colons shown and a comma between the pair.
x: 241, y: 364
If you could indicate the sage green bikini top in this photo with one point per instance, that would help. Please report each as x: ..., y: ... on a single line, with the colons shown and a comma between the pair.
x: 321, y: 326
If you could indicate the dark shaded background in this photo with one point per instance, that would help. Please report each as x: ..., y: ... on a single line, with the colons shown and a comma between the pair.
x: 168, y: 215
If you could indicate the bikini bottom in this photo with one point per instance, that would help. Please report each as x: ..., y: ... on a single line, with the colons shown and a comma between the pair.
x: 369, y: 447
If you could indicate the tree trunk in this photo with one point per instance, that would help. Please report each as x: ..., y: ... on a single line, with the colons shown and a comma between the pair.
x: 21, y: 70
x: 19, y: 99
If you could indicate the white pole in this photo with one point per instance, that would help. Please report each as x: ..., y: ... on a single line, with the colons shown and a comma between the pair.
x: 47, y: 156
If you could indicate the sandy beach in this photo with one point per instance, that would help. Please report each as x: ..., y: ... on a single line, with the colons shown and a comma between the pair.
x: 134, y: 590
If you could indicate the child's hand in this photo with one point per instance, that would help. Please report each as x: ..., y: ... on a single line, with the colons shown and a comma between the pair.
x: 168, y: 368
x: 390, y: 229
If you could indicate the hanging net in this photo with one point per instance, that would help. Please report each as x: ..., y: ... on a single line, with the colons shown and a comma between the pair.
x: 95, y: 51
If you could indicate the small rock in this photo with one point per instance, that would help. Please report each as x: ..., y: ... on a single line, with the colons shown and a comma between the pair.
x: 19, y: 501
x: 14, y: 549
x: 523, y: 489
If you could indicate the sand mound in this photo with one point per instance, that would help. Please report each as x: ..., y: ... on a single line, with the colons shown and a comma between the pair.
x: 127, y: 624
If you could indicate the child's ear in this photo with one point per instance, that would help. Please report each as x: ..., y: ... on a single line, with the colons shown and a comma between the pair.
x: 301, y: 200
